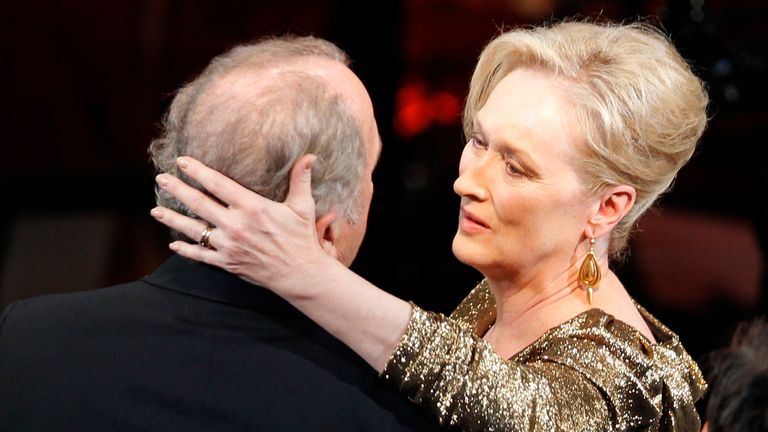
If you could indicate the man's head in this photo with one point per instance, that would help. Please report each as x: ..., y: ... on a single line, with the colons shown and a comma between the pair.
x: 257, y: 108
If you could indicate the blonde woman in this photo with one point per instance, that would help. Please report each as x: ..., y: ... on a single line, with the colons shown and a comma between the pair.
x: 573, y: 131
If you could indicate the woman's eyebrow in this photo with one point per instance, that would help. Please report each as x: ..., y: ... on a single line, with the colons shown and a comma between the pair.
x: 508, y: 150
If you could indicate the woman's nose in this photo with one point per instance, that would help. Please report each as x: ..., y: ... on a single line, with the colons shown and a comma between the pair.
x: 472, y: 180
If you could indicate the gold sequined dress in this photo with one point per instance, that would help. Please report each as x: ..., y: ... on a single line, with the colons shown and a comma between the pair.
x: 591, y: 373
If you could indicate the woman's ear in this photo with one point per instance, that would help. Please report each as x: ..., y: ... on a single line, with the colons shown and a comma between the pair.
x: 326, y: 233
x: 615, y: 203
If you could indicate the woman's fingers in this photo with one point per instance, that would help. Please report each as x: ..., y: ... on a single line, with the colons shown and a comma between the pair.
x: 198, y: 253
x: 299, y: 197
x: 254, y: 237
x: 195, y: 200
x: 219, y: 185
x: 190, y: 227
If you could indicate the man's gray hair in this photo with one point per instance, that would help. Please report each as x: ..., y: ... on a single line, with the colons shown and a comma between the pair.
x: 254, y: 129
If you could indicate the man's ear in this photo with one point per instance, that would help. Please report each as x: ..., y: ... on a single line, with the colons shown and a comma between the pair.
x: 326, y: 233
x: 615, y: 203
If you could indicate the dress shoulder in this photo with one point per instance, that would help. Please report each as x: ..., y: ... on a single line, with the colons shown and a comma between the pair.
x: 477, y: 312
x: 592, y: 372
x: 460, y: 379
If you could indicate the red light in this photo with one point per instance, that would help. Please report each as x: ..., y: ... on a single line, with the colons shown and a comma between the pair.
x: 445, y: 108
x: 416, y: 109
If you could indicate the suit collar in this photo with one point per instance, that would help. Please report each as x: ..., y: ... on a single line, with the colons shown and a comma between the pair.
x: 211, y: 283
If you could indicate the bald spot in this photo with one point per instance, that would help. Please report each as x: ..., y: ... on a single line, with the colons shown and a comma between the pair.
x: 235, y: 93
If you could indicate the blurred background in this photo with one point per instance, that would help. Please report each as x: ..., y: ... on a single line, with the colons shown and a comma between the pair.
x: 89, y: 81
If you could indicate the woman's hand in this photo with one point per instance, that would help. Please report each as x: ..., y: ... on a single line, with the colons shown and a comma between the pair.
x: 268, y: 243
x: 275, y: 245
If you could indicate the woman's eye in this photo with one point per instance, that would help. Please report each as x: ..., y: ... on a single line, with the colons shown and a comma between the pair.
x: 478, y: 144
x: 512, y: 170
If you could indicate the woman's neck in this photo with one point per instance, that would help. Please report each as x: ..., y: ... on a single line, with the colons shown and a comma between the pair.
x: 527, y: 309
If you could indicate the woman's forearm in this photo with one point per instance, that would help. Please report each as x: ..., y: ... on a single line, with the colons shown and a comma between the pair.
x: 364, y: 317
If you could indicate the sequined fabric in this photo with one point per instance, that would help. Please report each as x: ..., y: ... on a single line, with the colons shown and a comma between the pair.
x: 591, y: 373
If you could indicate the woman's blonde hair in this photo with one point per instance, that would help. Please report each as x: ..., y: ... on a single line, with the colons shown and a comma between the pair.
x: 639, y: 106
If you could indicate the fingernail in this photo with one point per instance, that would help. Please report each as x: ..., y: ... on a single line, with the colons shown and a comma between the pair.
x: 174, y: 247
x: 183, y: 162
x: 156, y: 213
x: 161, y: 180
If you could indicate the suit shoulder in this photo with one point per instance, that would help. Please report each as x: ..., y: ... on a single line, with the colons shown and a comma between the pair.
x: 62, y: 309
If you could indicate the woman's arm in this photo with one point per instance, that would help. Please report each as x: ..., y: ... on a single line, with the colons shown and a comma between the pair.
x: 275, y: 246
x: 431, y: 358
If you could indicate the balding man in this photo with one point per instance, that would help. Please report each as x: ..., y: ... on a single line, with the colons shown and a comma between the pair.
x: 193, y: 348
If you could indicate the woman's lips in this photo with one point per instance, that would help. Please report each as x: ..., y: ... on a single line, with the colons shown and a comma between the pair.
x: 470, y: 223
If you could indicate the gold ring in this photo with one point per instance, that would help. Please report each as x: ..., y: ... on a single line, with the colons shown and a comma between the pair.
x: 205, y: 238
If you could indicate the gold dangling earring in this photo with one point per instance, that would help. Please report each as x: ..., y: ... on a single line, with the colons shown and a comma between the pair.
x: 589, y: 273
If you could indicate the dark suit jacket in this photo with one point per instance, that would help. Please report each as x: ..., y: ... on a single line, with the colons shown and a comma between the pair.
x: 187, y: 348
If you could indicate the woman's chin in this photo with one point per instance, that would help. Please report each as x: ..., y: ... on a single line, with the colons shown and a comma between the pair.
x: 466, y: 251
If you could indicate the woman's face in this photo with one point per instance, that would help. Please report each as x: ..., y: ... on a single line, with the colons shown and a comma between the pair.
x: 523, y: 208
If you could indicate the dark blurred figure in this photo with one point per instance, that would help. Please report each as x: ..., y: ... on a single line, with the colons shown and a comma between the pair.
x: 739, y: 385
